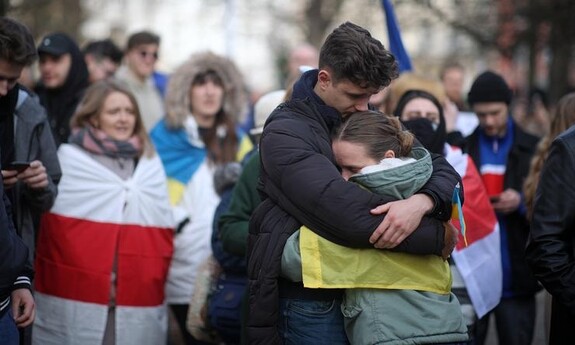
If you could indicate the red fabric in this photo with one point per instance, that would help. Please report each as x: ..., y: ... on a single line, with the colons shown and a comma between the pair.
x: 479, y: 215
x: 75, y: 257
x: 493, y: 183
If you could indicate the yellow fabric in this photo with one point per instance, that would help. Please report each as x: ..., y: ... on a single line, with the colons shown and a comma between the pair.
x: 244, y: 147
x: 329, y: 265
x: 176, y: 188
x: 175, y: 191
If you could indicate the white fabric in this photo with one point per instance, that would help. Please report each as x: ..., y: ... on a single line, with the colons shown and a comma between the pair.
x: 193, y: 244
x: 105, y: 197
x: 67, y: 322
x: 386, y: 164
x: 480, y: 263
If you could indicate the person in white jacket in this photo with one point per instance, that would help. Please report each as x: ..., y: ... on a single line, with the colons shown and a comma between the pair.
x: 205, y: 96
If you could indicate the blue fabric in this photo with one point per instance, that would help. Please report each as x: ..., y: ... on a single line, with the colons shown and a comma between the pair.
x: 311, y: 322
x: 494, y: 151
x: 8, y: 331
x: 249, y: 122
x: 395, y: 42
x: 224, y: 307
x: 180, y: 158
x: 161, y: 82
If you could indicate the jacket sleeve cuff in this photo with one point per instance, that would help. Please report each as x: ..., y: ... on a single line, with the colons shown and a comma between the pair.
x: 22, y: 282
x: 439, y: 211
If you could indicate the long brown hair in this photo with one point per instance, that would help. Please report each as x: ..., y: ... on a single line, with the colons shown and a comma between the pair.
x: 92, y: 104
x: 563, y: 118
x: 221, y: 139
x: 376, y: 131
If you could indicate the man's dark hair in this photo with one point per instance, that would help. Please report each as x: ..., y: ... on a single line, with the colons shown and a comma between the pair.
x: 350, y: 53
x: 16, y: 43
x: 142, y: 37
x: 104, y: 49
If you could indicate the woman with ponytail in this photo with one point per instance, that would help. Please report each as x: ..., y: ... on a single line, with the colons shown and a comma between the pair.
x: 387, y: 291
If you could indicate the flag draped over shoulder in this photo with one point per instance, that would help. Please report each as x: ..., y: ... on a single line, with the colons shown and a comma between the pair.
x: 99, y: 222
x: 478, y: 262
x: 395, y: 42
x: 329, y: 265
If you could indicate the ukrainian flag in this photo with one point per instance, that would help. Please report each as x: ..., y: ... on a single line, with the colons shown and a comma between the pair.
x: 457, y: 212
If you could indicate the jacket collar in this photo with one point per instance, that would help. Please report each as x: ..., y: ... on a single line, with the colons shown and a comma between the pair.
x: 303, y: 90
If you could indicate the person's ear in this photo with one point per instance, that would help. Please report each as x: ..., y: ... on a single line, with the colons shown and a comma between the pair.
x: 323, y: 79
x: 389, y: 154
x: 94, y: 122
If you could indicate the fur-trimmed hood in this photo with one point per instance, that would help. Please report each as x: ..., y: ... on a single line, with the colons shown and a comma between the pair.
x: 177, y: 95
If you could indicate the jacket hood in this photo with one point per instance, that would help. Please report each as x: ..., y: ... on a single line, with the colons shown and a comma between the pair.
x: 177, y: 95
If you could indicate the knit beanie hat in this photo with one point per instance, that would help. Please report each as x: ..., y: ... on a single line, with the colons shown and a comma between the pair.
x: 489, y: 87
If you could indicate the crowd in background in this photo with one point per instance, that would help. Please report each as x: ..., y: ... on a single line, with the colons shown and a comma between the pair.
x: 135, y: 200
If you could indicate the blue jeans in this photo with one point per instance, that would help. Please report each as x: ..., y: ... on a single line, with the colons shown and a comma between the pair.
x: 8, y: 331
x: 311, y: 322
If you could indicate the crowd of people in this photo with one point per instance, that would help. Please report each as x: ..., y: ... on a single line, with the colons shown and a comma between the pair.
x: 350, y: 206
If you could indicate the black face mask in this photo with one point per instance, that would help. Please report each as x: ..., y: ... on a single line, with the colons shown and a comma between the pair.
x: 432, y: 137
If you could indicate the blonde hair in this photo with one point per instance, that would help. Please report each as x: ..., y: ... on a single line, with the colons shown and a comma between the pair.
x: 410, y: 81
x: 92, y: 104
x: 563, y: 118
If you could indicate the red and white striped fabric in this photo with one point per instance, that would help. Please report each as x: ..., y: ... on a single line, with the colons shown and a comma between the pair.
x: 480, y: 262
x: 98, y: 221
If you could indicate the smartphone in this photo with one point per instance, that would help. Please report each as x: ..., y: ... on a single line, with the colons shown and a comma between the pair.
x: 494, y: 198
x: 19, y: 166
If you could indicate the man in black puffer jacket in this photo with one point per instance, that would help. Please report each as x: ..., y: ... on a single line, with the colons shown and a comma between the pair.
x: 301, y: 184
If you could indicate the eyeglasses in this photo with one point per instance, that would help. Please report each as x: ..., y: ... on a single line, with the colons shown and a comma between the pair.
x: 144, y: 54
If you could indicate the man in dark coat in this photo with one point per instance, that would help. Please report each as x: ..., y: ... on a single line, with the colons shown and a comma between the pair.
x: 17, y: 307
x: 502, y: 152
x: 550, y: 248
x: 300, y: 184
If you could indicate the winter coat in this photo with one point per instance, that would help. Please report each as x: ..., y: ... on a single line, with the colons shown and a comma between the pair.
x: 300, y: 184
x: 34, y: 141
x: 190, y: 170
x: 551, y: 246
x: 517, y: 227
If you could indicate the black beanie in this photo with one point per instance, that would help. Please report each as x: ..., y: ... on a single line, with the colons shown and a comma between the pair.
x: 489, y: 87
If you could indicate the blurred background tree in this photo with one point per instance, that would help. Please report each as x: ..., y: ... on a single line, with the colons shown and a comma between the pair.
x: 44, y: 16
x: 531, y: 41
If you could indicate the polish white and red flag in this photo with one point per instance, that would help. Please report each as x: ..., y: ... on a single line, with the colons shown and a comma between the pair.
x: 104, y: 229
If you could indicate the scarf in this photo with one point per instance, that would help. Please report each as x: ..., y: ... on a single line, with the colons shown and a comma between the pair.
x: 96, y: 141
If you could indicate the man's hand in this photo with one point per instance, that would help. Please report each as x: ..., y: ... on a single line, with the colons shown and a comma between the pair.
x: 35, y: 175
x: 450, y: 240
x: 507, y: 202
x: 9, y: 178
x: 403, y: 217
x: 23, y: 307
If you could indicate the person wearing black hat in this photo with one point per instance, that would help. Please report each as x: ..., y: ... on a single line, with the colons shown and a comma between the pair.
x: 63, y: 79
x: 502, y: 151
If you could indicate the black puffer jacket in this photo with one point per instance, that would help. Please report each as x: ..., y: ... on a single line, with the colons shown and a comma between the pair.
x: 300, y: 184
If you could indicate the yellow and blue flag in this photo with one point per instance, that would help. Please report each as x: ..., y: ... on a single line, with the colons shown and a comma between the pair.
x: 457, y: 212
